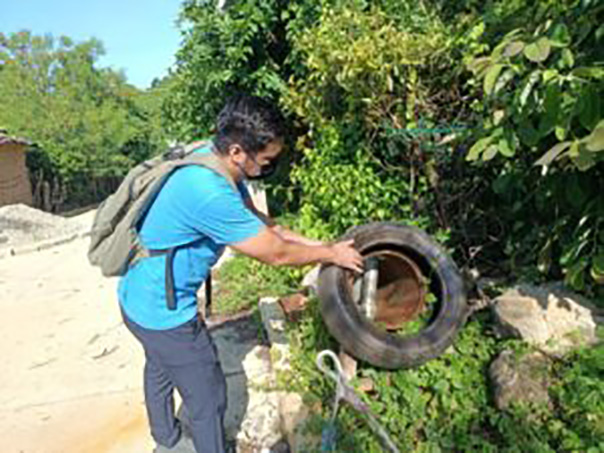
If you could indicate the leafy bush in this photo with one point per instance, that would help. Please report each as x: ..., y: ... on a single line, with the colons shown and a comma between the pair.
x: 543, y: 86
x: 384, y: 99
x: 242, y: 281
x: 446, y: 404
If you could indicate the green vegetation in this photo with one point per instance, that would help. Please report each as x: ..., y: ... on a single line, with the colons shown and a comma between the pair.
x: 88, y: 124
x: 480, y: 122
x: 447, y: 405
x: 444, y: 405
x: 242, y: 281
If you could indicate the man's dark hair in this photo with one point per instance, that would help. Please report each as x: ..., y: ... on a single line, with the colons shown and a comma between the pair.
x: 250, y: 122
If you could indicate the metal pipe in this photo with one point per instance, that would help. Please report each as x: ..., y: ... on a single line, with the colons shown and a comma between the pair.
x: 369, y: 293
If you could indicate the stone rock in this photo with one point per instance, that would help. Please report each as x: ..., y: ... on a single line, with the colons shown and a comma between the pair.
x: 293, y: 305
x: 293, y: 412
x: 294, y: 417
x: 548, y: 316
x: 273, y: 320
x: 252, y: 416
x: 366, y: 385
x: 261, y: 428
x: 520, y: 379
x: 349, y: 365
x: 311, y: 280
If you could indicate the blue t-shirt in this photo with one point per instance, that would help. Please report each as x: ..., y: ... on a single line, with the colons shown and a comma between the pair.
x: 197, y: 207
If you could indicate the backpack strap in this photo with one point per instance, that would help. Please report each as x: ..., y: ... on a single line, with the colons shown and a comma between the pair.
x: 168, y: 274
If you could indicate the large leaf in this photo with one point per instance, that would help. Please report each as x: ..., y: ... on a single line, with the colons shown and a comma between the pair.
x: 584, y: 160
x: 506, y: 148
x: 568, y: 58
x: 597, y: 269
x: 551, y: 107
x: 575, y: 276
x: 478, y: 148
x: 588, y: 72
x: 589, y: 105
x: 513, y: 49
x: 491, y: 77
x: 560, y: 37
x: 595, y: 141
x: 553, y: 153
x: 528, y: 87
x: 479, y: 65
x: 528, y: 134
x: 538, y: 51
x: 490, y: 152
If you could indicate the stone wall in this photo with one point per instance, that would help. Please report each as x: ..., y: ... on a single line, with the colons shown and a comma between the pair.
x: 14, y: 179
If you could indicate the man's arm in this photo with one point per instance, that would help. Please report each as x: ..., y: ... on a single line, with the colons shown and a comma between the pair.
x: 285, y: 233
x: 289, y: 235
x: 270, y: 248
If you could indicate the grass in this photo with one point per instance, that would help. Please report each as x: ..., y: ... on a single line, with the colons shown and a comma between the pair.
x: 242, y: 281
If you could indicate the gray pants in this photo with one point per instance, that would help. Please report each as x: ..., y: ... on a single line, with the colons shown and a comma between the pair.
x: 184, y: 358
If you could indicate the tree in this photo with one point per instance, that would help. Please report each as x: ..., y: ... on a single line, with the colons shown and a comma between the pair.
x: 84, y: 119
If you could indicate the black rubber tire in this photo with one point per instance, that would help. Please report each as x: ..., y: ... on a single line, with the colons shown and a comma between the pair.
x: 365, y: 341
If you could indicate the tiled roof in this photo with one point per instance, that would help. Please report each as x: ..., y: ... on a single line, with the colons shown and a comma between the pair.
x: 8, y: 140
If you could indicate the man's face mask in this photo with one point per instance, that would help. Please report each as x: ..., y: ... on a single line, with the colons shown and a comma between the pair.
x: 264, y: 171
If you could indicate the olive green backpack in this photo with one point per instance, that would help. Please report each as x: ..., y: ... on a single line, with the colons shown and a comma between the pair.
x: 115, y: 245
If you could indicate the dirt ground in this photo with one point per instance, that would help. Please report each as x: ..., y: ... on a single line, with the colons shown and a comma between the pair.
x: 72, y: 374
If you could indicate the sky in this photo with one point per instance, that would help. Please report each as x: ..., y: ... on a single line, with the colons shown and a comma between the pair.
x: 139, y: 36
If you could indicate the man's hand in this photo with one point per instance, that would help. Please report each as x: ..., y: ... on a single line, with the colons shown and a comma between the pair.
x: 345, y: 255
x: 271, y: 248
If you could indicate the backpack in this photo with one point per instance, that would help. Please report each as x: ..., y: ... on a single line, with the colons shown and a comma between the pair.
x: 115, y: 245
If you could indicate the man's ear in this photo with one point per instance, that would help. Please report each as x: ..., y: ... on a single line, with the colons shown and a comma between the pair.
x: 236, y: 152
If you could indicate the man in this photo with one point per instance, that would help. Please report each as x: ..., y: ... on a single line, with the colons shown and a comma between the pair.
x: 199, y: 211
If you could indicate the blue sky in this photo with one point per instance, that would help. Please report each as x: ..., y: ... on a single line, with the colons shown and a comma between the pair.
x: 139, y: 36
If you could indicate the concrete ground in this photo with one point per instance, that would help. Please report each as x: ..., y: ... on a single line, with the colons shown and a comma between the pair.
x: 71, y: 377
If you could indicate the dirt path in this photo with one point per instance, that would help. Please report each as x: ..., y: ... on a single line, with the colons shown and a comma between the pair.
x: 71, y: 379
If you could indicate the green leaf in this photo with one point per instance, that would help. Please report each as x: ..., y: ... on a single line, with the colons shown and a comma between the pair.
x: 479, y: 65
x: 528, y: 87
x: 553, y: 153
x: 561, y: 130
x: 597, y: 269
x: 560, y: 37
x: 513, y: 49
x: 503, y: 79
x: 595, y: 141
x: 584, y: 160
x: 538, y: 51
x: 567, y: 58
x: 589, y: 108
x: 478, y: 148
x: 528, y: 135
x: 551, y: 107
x: 598, y: 263
x: 490, y: 152
x: 574, y: 149
x: 588, y: 72
x: 505, y: 148
x: 575, y: 276
x: 600, y: 33
x: 491, y: 77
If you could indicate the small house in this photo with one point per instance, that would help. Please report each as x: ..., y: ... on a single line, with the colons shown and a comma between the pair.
x: 15, y: 186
